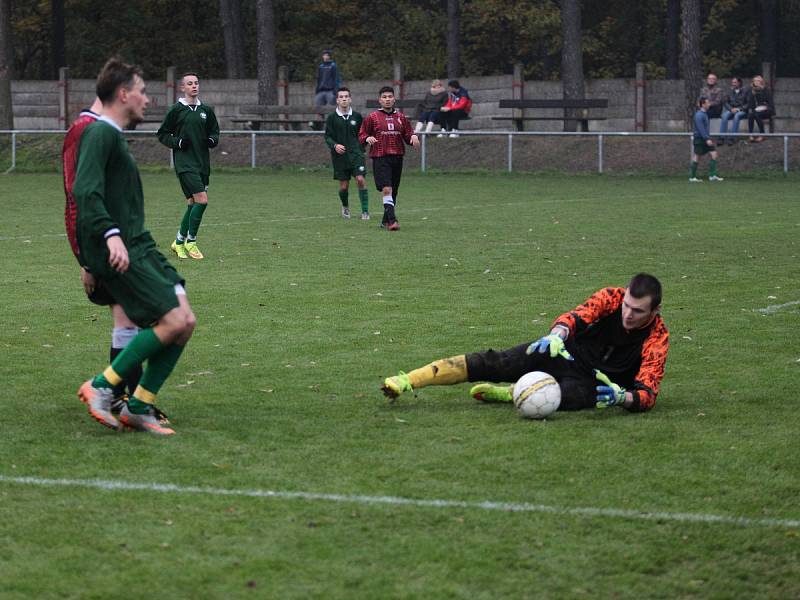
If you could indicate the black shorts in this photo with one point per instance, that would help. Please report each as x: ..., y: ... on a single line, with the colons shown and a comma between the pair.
x: 577, y: 381
x: 387, y: 171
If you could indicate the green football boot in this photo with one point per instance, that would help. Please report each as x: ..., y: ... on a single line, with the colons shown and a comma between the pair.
x: 394, y: 386
x: 179, y: 249
x: 486, y: 392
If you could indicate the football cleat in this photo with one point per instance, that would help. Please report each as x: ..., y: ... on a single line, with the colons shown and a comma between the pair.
x: 695, y: 180
x: 98, y: 401
x: 488, y: 393
x: 179, y: 249
x: 345, y: 212
x: 365, y: 216
x: 192, y: 250
x: 117, y: 403
x: 394, y: 386
x: 148, y: 421
x: 393, y: 226
x: 715, y: 178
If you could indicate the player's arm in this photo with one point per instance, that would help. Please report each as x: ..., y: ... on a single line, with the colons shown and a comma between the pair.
x: 600, y: 304
x: 367, y: 131
x: 212, y: 128
x: 651, y: 371
x: 330, y: 134
x: 167, y: 133
x: 409, y: 137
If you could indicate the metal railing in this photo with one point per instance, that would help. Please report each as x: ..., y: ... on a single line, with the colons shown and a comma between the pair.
x: 510, y: 135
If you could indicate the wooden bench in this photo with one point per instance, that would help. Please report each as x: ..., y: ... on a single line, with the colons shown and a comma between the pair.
x: 583, y: 106
x: 253, y: 116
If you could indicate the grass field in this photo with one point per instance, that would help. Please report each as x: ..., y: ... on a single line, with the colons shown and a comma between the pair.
x: 291, y: 476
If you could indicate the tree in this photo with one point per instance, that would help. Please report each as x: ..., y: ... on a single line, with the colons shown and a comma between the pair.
x: 691, y: 54
x: 265, y: 52
x: 572, y: 82
x: 230, y: 16
x: 768, y: 38
x: 672, y: 32
x: 58, y: 52
x: 453, y: 39
x: 6, y: 58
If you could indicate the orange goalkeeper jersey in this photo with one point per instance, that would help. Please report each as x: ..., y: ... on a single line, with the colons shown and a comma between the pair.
x: 633, y: 359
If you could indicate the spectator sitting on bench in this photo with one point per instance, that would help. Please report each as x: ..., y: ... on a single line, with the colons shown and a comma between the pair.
x: 760, y: 106
x: 429, y: 114
x: 715, y: 95
x: 457, y: 108
x: 735, y: 108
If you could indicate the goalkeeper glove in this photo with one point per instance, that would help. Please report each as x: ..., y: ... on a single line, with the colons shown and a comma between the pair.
x: 184, y: 144
x: 554, y: 343
x: 212, y: 143
x: 609, y: 394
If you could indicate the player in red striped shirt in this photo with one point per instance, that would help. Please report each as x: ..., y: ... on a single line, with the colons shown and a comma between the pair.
x: 387, y: 130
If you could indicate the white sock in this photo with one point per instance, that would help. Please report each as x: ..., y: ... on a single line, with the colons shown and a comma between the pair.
x: 388, y: 200
x: 429, y: 127
x: 418, y: 127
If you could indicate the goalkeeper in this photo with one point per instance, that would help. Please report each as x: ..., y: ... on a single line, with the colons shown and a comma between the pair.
x: 609, y: 351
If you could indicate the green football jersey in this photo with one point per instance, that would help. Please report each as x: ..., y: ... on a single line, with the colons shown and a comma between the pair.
x: 198, y: 124
x: 343, y: 129
x: 108, y: 194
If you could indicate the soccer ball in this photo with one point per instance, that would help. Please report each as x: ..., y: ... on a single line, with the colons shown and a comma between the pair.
x: 537, y: 395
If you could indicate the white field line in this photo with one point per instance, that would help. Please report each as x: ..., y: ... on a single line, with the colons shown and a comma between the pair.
x: 336, y: 216
x: 523, y: 507
x: 773, y: 308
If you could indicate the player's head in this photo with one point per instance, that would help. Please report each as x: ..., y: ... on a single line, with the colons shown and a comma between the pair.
x: 343, y: 98
x: 642, y: 301
x: 454, y: 85
x: 703, y: 103
x: 711, y: 79
x: 386, y: 97
x: 121, y: 86
x: 190, y: 84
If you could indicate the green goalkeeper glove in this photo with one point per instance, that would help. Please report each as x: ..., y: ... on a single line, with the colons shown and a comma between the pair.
x: 551, y: 342
x: 609, y: 394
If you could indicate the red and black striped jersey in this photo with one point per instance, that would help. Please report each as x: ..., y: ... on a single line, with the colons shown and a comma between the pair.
x: 69, y: 158
x: 392, y: 130
x: 632, y: 359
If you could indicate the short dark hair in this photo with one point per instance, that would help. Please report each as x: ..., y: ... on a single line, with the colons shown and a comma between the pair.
x: 343, y: 89
x: 384, y: 89
x: 453, y: 83
x: 113, y: 75
x: 189, y: 73
x: 643, y: 284
x: 700, y: 100
x: 736, y: 78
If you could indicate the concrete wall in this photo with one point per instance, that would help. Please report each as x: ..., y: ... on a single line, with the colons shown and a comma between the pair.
x: 36, y: 102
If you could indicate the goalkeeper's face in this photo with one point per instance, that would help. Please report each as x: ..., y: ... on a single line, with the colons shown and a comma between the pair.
x: 637, y: 312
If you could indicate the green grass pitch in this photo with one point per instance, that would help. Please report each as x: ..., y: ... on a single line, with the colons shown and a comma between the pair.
x: 302, y: 314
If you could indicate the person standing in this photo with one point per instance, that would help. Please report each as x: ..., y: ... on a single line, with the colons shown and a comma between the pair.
x: 122, y: 255
x: 386, y: 131
x: 347, y: 154
x: 189, y: 129
x: 456, y: 109
x: 735, y: 109
x: 702, y: 142
x: 327, y: 80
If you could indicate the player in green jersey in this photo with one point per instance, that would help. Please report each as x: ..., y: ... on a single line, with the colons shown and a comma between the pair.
x: 347, y: 155
x: 190, y: 128
x: 122, y: 254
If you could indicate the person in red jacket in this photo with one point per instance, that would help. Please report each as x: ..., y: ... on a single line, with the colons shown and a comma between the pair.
x: 387, y: 130
x: 457, y: 108
x: 610, y: 350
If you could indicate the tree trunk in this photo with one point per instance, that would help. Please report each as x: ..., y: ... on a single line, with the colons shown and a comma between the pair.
x: 58, y: 51
x: 6, y: 70
x: 768, y: 32
x: 691, y: 55
x: 265, y: 52
x: 672, y: 33
x: 453, y: 39
x: 571, y: 58
x: 230, y: 16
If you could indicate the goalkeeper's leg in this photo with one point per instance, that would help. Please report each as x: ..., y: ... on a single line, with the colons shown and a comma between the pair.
x: 445, y: 371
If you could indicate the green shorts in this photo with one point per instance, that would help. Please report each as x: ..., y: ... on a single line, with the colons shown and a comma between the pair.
x: 193, y: 183
x: 353, y: 166
x: 146, y: 291
x: 701, y: 148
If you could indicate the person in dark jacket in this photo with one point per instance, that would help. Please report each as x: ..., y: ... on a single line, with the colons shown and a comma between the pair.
x: 327, y: 80
x: 735, y: 109
x: 760, y: 106
x: 457, y: 108
x: 429, y: 110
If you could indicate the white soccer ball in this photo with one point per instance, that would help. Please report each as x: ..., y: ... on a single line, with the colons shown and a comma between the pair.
x: 537, y: 395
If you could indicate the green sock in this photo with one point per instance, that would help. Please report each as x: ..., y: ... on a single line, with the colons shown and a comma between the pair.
x: 138, y: 407
x: 694, y: 169
x: 142, y: 347
x: 184, y: 228
x: 363, y: 195
x: 159, y: 367
x: 713, y: 168
x: 196, y: 216
x: 343, y: 195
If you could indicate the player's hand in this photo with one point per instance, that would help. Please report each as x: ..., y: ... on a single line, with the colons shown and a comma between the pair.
x: 372, y: 140
x: 551, y: 342
x: 609, y: 394
x: 87, y: 279
x: 212, y: 143
x: 415, y: 141
x: 339, y: 149
x: 710, y: 142
x: 117, y: 254
x: 184, y: 144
